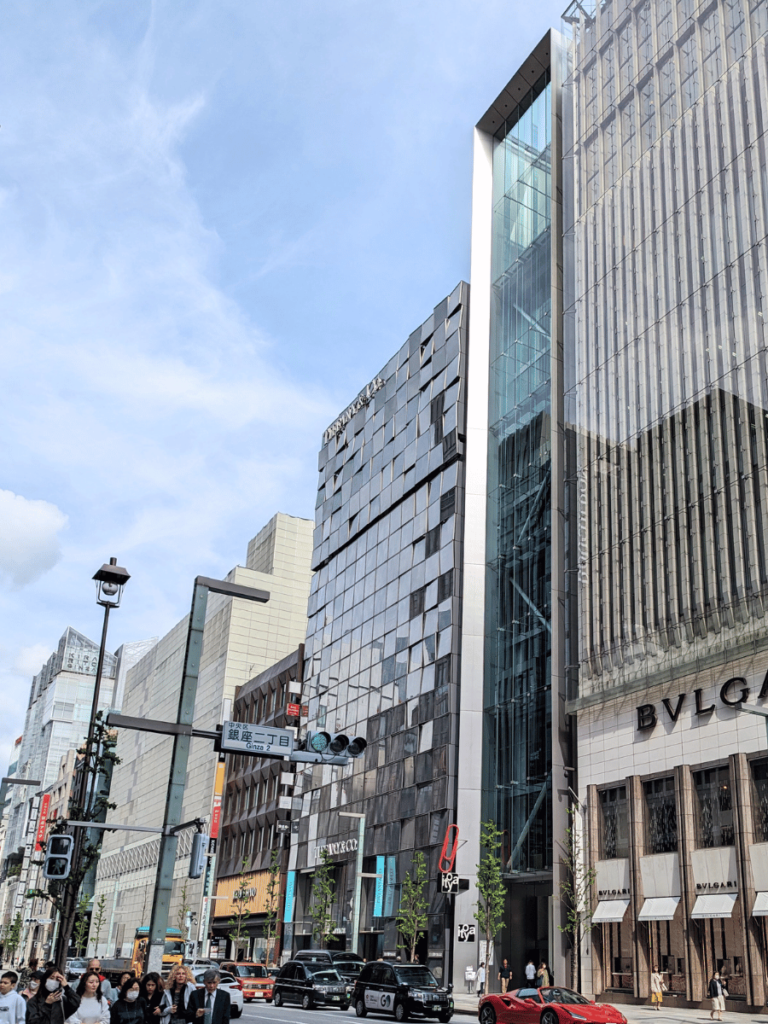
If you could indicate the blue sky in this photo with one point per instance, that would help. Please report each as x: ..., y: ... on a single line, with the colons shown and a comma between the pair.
x: 217, y: 221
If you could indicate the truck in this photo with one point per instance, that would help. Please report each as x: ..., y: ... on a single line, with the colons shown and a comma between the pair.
x: 173, y: 953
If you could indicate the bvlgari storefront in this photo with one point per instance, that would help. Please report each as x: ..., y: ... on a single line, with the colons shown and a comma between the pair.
x: 674, y: 788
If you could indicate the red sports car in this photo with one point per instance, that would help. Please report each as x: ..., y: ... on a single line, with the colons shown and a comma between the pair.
x: 545, y: 1006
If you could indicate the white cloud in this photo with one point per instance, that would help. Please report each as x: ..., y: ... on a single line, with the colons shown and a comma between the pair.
x: 29, y: 542
x: 29, y: 660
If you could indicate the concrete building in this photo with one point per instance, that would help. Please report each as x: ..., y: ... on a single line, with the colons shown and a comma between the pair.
x: 241, y: 639
x: 259, y: 793
x: 666, y: 404
x: 381, y: 658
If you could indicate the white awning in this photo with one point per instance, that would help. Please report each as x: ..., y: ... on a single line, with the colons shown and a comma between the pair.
x: 715, y: 905
x: 610, y: 911
x: 659, y: 908
x: 760, y: 908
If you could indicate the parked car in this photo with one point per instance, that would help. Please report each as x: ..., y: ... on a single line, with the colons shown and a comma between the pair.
x: 228, y: 983
x: 405, y: 990
x: 327, y: 956
x: 256, y: 979
x: 311, y: 984
x: 548, y: 1005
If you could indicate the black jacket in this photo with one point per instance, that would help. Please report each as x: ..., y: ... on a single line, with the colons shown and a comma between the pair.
x: 713, y: 993
x: 41, y: 1012
x: 123, y: 1012
x: 220, y: 1008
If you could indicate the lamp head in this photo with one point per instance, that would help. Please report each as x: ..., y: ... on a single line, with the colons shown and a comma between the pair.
x: 110, y: 580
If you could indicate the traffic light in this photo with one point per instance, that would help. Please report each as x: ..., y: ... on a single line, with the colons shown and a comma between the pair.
x: 58, y: 857
x: 197, y: 854
x: 336, y: 743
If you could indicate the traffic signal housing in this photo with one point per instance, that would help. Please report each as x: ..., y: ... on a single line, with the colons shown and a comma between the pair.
x: 58, y: 857
x: 197, y: 854
x: 335, y: 743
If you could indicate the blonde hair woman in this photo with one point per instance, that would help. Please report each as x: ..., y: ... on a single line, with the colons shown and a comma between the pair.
x: 178, y: 988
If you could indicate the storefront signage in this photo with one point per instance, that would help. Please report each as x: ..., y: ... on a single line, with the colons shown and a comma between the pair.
x: 345, y: 846
x: 716, y: 886
x: 733, y: 693
x: 293, y: 710
x: 378, y: 899
x: 362, y: 399
x: 42, y: 822
x: 609, y: 894
x: 290, y: 895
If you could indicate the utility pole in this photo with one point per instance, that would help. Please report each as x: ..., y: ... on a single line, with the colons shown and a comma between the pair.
x: 161, y: 904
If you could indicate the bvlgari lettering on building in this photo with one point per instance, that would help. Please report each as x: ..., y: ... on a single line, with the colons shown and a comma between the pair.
x: 733, y: 693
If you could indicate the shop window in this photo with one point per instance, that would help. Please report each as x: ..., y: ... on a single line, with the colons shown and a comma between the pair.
x: 615, y: 827
x: 660, y: 815
x: 714, y: 809
x: 760, y: 799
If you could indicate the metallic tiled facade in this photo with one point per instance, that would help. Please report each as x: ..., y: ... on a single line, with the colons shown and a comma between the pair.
x: 382, y: 644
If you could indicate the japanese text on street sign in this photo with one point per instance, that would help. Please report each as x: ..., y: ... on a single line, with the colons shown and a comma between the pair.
x: 244, y: 738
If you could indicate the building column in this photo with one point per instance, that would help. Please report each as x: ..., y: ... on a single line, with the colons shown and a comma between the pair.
x: 592, y: 828
x: 640, y: 951
x: 750, y: 926
x: 694, y: 966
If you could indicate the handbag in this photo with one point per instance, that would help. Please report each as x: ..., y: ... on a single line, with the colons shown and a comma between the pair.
x: 663, y: 987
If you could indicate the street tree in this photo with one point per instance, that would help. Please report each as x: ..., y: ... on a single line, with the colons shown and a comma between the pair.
x: 182, y: 918
x: 12, y: 937
x: 412, y: 915
x: 99, y: 916
x: 241, y: 901
x: 82, y: 924
x: 64, y: 894
x: 271, y: 910
x: 323, y: 895
x: 575, y: 890
x: 489, y: 912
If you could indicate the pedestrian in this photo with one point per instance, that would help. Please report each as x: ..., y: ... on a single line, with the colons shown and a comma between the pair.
x: 530, y: 971
x: 505, y: 976
x: 152, y: 992
x: 54, y: 1000
x: 33, y: 985
x: 717, y: 994
x: 129, y: 1007
x: 27, y: 973
x: 94, y: 964
x: 657, y: 988
x: 93, y: 1008
x: 481, y: 979
x: 13, y: 1009
x: 210, y: 1003
x: 178, y: 989
x: 543, y: 979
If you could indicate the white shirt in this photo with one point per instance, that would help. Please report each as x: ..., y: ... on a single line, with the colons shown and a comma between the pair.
x: 530, y: 972
x: 13, y: 1009
x: 90, y: 1010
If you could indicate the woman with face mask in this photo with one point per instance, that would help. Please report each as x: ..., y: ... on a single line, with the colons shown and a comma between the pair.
x: 93, y: 1008
x: 33, y: 985
x: 54, y: 1000
x: 129, y: 1007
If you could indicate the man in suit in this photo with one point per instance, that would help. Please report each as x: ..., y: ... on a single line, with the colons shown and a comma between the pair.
x: 207, y: 1005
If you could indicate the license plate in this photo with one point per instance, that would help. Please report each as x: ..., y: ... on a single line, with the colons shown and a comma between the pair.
x: 336, y: 999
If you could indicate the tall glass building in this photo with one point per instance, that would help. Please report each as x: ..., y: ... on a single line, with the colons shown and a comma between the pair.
x: 666, y: 218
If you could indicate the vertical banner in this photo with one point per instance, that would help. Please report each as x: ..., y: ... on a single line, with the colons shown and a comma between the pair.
x: 290, y: 896
x: 391, y: 886
x: 218, y: 789
x: 378, y: 899
x: 42, y: 822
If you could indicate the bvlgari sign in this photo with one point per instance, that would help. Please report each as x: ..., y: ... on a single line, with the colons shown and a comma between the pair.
x: 733, y: 693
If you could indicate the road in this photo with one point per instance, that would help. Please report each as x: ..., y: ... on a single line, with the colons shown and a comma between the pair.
x: 267, y: 1013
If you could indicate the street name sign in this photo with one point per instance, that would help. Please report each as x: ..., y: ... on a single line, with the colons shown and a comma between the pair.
x: 245, y: 738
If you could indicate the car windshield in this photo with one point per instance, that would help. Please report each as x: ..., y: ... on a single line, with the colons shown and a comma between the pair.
x: 249, y: 971
x: 173, y: 948
x: 323, y: 974
x: 77, y: 963
x: 417, y: 976
x: 348, y: 966
x: 562, y: 995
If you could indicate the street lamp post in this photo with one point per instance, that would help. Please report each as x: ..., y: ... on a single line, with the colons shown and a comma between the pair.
x: 110, y: 581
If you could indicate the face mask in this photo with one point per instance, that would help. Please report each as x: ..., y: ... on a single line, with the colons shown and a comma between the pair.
x: 133, y: 994
x: 34, y: 984
x: 52, y: 985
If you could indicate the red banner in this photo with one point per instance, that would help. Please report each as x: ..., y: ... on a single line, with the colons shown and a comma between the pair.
x: 42, y: 822
x: 293, y: 710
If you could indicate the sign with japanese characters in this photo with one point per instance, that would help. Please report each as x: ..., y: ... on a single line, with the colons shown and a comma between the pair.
x: 245, y: 738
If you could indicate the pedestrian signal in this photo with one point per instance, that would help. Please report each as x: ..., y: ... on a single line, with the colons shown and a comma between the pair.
x: 197, y: 854
x: 58, y: 857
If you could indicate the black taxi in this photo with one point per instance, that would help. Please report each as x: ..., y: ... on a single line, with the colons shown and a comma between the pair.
x: 405, y: 990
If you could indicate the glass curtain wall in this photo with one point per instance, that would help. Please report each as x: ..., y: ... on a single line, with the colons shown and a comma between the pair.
x: 518, y: 639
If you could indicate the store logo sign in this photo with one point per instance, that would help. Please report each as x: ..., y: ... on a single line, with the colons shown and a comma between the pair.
x: 362, y: 399
x: 345, y: 846
x: 716, y: 886
x: 606, y: 894
x: 733, y: 693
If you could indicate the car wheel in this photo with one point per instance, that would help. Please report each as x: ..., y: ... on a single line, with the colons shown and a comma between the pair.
x: 487, y: 1014
x: 360, y: 1009
x: 236, y: 1011
x: 401, y: 1013
x: 444, y: 1017
x: 345, y: 1006
x: 277, y: 999
x: 306, y: 1002
x: 549, y: 1017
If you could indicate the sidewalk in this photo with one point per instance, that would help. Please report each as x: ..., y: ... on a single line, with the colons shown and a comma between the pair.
x: 467, y: 1005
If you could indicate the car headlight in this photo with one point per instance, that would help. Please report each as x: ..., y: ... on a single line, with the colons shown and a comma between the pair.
x: 415, y: 993
x: 577, y: 1016
x: 322, y: 989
